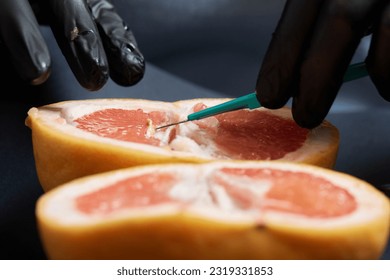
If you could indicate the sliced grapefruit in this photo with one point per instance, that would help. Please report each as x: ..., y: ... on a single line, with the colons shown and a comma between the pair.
x: 216, y: 210
x: 72, y: 139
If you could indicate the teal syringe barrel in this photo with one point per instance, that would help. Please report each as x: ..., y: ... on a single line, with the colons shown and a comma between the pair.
x: 250, y: 101
x: 247, y: 101
x: 355, y: 71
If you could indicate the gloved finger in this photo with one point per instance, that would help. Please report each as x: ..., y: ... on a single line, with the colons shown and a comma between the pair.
x: 277, y: 78
x: 40, y: 11
x: 23, y: 41
x: 126, y: 62
x: 80, y: 42
x: 336, y: 35
x: 378, y: 59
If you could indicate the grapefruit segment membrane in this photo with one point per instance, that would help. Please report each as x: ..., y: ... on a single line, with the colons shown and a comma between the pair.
x: 217, y: 210
x: 72, y: 139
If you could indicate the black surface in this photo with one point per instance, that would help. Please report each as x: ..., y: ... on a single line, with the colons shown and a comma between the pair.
x: 203, y: 51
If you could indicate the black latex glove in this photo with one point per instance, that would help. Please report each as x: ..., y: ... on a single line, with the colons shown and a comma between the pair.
x: 311, y: 49
x: 92, y: 36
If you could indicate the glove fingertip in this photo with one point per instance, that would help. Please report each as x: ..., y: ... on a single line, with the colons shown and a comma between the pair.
x: 95, y: 82
x: 127, y: 64
x: 41, y: 78
x: 379, y: 74
x: 269, y: 97
x: 306, y: 117
x: 308, y: 123
x: 130, y: 74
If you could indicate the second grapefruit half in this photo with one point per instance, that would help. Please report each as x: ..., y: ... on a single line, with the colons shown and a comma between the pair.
x: 217, y: 210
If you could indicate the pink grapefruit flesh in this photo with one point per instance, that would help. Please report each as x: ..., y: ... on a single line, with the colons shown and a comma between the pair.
x: 120, y: 124
x: 140, y: 191
x: 256, y: 135
x: 247, y: 135
x: 293, y: 192
x: 290, y: 192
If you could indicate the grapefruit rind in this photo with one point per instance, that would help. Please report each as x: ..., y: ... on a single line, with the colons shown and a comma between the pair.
x: 201, y: 232
x: 63, y: 152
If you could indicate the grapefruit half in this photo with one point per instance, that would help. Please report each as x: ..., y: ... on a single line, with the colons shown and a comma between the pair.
x: 72, y: 139
x: 216, y: 210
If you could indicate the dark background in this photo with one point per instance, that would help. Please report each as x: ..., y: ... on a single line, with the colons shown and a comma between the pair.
x: 203, y: 48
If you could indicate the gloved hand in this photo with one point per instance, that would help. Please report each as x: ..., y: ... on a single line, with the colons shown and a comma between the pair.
x: 311, y: 49
x: 92, y: 36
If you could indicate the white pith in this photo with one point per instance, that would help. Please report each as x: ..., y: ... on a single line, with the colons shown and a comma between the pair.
x: 61, y: 117
x: 192, y: 190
